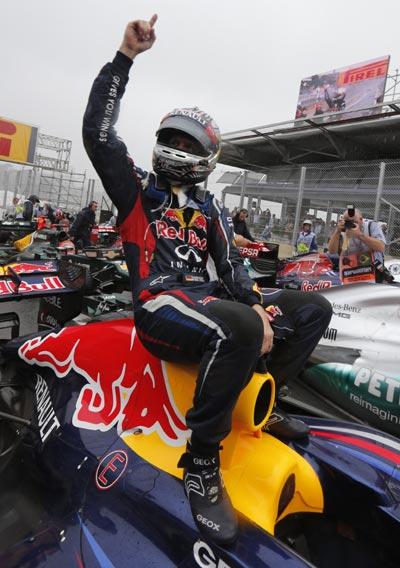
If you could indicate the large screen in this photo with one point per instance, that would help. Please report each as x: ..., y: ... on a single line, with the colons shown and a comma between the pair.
x: 17, y: 141
x: 347, y: 89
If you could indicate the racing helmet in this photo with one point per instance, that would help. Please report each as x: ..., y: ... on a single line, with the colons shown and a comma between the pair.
x: 181, y: 166
x: 307, y: 222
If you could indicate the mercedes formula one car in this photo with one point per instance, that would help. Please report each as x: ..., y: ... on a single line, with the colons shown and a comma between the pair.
x: 354, y: 371
x: 91, y: 430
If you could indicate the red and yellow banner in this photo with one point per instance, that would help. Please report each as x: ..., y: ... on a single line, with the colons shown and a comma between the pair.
x: 372, y: 70
x: 17, y: 141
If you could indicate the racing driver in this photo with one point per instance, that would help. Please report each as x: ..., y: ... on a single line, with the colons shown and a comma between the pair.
x: 170, y: 225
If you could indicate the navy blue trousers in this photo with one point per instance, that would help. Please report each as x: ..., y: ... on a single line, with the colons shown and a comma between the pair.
x: 225, y: 337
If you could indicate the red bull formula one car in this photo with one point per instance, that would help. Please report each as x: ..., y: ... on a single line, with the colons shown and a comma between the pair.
x: 307, y: 272
x: 106, y: 236
x: 91, y: 429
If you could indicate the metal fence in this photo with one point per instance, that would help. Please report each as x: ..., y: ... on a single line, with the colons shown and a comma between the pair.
x: 320, y: 193
x: 66, y: 189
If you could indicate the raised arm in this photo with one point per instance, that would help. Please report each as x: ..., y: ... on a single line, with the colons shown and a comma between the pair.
x: 139, y: 36
x: 106, y: 151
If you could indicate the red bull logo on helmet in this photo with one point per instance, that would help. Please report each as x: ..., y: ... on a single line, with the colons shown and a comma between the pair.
x: 127, y: 387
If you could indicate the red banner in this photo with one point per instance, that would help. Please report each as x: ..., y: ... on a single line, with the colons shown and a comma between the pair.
x: 365, y: 72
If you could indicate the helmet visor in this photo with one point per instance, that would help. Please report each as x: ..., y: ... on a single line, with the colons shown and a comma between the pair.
x: 205, y: 135
x: 179, y: 140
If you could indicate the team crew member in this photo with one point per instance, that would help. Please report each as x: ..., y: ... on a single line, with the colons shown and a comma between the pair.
x: 240, y: 226
x: 82, y: 225
x: 170, y: 226
x: 28, y: 208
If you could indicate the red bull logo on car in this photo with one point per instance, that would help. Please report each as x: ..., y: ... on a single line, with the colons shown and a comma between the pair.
x: 32, y: 267
x: 127, y: 387
x: 48, y: 283
x: 309, y: 286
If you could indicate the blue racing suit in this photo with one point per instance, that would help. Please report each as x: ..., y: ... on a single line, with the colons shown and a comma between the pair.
x: 180, y: 314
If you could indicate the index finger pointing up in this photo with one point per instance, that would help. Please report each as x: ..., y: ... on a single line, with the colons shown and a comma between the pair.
x: 153, y: 20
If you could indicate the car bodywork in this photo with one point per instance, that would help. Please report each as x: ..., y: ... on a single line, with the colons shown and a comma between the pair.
x: 98, y: 484
x: 354, y: 371
x: 357, y: 362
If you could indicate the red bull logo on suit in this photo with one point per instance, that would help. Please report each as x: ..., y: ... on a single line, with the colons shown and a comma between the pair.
x: 127, y: 386
x: 185, y: 235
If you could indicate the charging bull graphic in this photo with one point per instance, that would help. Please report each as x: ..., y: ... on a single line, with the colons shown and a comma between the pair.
x: 127, y: 386
x: 32, y: 267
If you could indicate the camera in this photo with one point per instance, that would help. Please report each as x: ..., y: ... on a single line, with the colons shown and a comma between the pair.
x: 349, y: 224
x: 351, y: 210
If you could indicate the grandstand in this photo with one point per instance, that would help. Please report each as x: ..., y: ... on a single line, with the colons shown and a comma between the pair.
x: 321, y: 165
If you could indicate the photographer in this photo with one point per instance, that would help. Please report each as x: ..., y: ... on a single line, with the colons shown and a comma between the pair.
x: 354, y: 234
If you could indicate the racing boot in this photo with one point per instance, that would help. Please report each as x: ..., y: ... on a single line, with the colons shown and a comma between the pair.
x: 282, y: 425
x: 209, y: 501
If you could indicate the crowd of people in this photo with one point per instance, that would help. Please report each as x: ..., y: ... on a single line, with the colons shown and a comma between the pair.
x: 73, y: 230
x: 350, y: 234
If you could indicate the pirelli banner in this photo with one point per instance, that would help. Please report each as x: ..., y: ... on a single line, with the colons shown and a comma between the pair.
x: 17, y: 141
x: 360, y: 86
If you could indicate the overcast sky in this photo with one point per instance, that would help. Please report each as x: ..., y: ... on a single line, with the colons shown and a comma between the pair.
x: 240, y: 60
